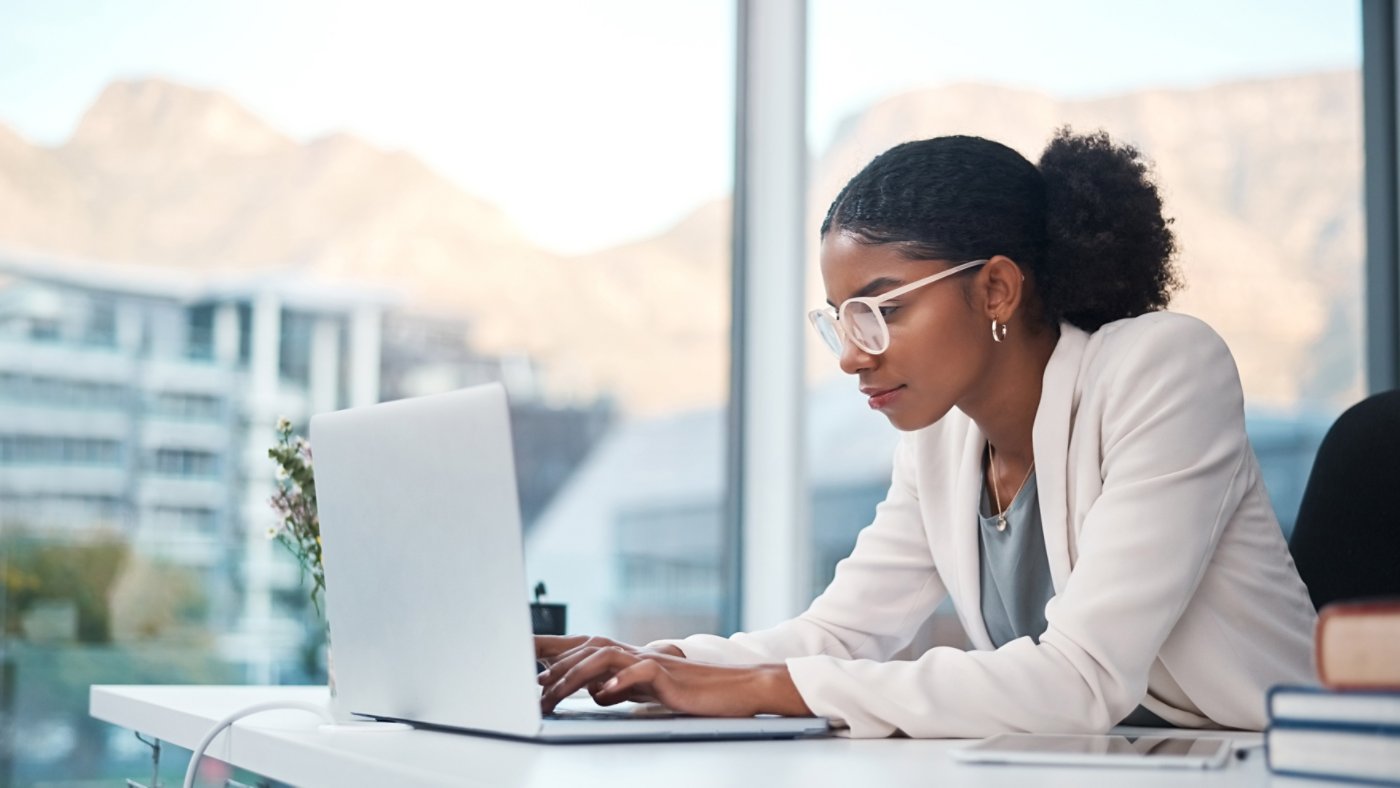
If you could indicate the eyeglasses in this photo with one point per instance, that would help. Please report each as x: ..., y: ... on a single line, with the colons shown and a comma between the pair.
x: 862, y: 320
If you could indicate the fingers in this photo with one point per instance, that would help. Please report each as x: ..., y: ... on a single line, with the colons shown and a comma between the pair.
x: 563, y: 661
x: 547, y: 647
x: 562, y: 664
x: 551, y: 648
x: 596, y: 665
x: 637, y: 679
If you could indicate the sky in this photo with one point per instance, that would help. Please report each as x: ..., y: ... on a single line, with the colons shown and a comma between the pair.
x: 596, y: 123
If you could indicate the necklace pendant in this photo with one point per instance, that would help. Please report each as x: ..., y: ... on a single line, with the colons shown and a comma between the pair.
x: 1001, y: 523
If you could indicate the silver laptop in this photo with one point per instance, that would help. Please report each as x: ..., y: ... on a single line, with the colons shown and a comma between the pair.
x: 426, y: 591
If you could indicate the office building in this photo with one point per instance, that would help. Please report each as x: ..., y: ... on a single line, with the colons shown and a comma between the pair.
x: 143, y: 401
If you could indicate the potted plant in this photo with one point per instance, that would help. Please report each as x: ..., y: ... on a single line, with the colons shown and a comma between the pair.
x: 294, y: 501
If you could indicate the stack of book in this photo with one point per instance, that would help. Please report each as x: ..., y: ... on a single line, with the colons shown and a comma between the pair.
x: 1348, y: 728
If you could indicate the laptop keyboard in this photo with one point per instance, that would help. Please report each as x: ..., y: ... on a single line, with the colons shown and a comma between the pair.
x: 584, y: 715
x: 568, y: 714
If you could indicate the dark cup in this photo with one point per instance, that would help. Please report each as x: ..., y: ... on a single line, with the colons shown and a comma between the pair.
x: 548, y: 618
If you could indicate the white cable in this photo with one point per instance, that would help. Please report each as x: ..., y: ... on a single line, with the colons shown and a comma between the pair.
x: 257, y: 708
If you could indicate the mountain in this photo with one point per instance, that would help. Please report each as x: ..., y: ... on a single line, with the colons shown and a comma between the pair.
x: 160, y: 173
x: 1262, y: 176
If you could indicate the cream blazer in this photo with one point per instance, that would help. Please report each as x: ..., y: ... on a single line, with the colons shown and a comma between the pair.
x: 1174, y: 587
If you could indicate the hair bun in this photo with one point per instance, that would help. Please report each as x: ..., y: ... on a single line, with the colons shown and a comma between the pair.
x: 1108, y: 249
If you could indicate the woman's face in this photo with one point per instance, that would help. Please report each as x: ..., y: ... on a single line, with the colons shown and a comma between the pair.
x: 937, y: 350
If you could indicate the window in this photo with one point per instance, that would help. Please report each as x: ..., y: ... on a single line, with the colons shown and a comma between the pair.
x: 192, y: 407
x: 184, y: 520
x: 184, y: 462
x: 200, y: 342
x: 20, y: 387
x: 101, y: 328
x: 52, y: 450
x: 489, y: 198
x: 670, y: 577
x: 295, y: 351
x: 1256, y: 142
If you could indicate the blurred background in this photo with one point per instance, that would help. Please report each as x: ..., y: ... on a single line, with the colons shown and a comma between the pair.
x: 213, y: 215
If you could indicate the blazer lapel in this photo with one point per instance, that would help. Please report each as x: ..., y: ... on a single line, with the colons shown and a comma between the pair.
x: 964, y: 529
x: 1050, y: 435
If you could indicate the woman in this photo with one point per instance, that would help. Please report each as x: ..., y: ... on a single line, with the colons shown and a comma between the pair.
x: 1075, y: 474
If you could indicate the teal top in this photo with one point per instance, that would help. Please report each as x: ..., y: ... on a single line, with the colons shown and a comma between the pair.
x: 1015, y: 580
x: 1015, y: 568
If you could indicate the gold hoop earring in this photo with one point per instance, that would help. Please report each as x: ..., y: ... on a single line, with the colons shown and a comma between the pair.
x: 998, y: 330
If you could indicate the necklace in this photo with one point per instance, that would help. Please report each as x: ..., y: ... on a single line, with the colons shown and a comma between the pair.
x: 992, y: 469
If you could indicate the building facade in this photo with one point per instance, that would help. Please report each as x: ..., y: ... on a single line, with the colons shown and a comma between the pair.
x: 140, y: 403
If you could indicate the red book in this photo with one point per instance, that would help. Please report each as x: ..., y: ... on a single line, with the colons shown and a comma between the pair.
x: 1358, y: 644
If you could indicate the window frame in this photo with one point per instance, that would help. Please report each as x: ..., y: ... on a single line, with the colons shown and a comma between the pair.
x: 766, y: 535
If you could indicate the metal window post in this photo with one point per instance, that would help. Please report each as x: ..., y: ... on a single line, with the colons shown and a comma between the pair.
x: 767, y: 537
x: 1379, y: 67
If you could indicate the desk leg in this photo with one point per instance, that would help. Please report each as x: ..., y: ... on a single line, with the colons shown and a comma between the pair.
x: 154, y: 744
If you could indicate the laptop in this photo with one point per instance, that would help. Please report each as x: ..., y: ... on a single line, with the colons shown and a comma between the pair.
x: 426, y: 593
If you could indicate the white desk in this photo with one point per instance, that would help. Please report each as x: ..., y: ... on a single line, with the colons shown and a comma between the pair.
x: 287, y: 746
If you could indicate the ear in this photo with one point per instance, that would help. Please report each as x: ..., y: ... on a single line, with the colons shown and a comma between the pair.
x: 1004, y: 287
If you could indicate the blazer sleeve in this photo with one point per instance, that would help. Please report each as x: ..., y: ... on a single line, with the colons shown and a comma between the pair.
x: 879, y: 596
x: 1173, y: 462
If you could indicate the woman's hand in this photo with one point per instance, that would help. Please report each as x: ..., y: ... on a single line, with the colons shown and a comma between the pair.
x: 615, y: 672
x: 557, y: 654
x: 551, y: 648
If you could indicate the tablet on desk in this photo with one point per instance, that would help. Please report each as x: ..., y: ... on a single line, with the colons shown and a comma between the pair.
x: 1159, y: 752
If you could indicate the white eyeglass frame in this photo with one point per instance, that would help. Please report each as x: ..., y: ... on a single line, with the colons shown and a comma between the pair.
x: 837, y: 316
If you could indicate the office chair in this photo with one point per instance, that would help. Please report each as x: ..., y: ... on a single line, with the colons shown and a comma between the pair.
x: 1346, y: 543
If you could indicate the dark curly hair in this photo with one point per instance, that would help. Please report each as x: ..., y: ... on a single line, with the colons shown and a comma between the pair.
x: 1087, y: 221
